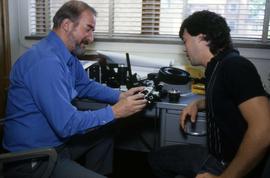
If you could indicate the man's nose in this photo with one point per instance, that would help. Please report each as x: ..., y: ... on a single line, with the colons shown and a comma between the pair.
x: 90, y: 37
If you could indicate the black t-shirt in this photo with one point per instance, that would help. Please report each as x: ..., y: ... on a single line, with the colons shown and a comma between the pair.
x: 231, y: 80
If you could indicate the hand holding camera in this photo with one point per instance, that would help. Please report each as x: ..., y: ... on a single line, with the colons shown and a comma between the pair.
x: 131, y: 102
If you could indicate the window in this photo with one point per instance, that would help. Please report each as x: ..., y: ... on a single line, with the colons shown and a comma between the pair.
x: 248, y: 19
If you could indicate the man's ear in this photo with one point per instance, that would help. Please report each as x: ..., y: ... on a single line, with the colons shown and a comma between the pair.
x: 202, y: 37
x: 66, y: 24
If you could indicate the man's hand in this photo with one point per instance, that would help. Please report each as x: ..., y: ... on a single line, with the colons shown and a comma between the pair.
x: 129, y: 105
x: 131, y: 92
x: 188, y: 112
x: 206, y: 175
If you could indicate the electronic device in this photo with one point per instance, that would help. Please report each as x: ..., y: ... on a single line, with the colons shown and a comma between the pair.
x: 157, y: 85
x: 113, y: 75
x: 151, y: 95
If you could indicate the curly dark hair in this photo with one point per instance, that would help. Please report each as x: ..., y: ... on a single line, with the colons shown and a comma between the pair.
x: 213, y: 26
x: 71, y: 10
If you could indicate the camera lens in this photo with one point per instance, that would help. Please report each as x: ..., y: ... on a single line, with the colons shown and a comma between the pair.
x: 174, y: 96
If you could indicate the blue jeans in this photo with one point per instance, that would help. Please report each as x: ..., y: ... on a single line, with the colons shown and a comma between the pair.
x: 185, y: 160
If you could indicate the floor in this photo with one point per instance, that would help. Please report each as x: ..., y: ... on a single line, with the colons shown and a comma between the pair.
x: 131, y: 164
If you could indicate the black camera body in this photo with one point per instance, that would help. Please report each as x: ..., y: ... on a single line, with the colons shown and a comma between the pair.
x: 150, y: 94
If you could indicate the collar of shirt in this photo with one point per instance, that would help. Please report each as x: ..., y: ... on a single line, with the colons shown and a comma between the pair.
x: 212, y: 63
x: 57, y: 43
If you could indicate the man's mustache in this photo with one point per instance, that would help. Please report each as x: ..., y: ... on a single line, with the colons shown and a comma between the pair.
x: 85, y: 42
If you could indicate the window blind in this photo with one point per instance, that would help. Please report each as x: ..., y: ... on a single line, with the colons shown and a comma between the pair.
x: 159, y: 18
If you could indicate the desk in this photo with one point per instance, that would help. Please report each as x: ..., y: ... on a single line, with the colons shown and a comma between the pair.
x: 158, y: 126
x: 170, y: 132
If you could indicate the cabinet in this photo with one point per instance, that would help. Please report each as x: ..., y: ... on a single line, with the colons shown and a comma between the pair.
x: 170, y: 132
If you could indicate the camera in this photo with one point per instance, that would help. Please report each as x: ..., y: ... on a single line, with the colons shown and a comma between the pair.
x: 150, y: 94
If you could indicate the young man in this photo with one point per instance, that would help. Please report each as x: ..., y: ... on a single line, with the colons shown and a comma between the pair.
x: 238, y: 116
x: 43, y: 83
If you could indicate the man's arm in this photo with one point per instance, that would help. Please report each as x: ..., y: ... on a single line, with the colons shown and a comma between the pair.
x: 191, y: 112
x: 256, y: 140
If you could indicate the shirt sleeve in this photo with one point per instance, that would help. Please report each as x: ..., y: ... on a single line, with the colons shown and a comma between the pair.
x: 52, y: 91
x: 242, y: 79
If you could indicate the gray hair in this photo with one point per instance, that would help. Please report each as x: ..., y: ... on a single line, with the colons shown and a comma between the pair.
x: 71, y: 10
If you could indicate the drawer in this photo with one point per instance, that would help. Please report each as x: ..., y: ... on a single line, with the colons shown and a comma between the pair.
x: 196, y: 132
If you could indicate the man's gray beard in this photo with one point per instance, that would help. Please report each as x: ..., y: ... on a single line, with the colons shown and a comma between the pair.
x: 78, y: 51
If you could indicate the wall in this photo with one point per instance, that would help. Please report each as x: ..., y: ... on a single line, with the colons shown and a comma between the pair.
x: 260, y: 57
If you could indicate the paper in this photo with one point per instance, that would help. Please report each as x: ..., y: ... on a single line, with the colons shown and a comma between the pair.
x: 142, y: 61
x: 87, y: 64
x: 142, y: 72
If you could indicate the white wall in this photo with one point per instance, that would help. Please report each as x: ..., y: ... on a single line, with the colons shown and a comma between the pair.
x: 19, y: 11
x: 14, y: 32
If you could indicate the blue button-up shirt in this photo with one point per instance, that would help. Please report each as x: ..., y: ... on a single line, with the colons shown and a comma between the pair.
x: 43, y: 82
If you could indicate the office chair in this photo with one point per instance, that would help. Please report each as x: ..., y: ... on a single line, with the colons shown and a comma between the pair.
x: 49, y: 153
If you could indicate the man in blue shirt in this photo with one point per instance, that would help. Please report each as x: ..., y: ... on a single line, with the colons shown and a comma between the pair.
x: 44, y: 81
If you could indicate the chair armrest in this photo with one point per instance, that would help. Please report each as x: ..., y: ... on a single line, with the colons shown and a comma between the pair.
x: 35, y: 153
